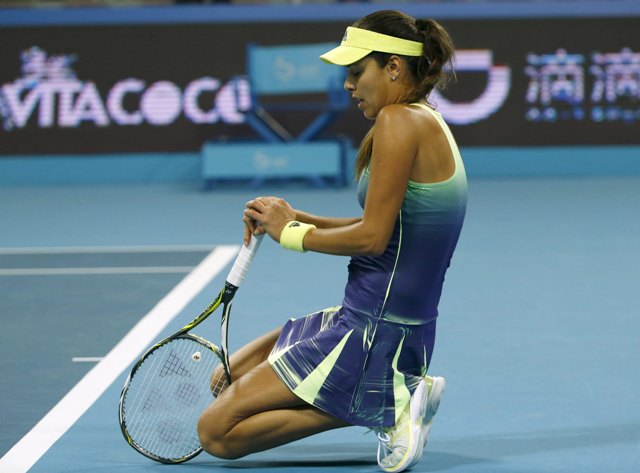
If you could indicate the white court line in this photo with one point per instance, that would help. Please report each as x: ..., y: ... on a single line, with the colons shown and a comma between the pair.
x: 103, y: 249
x: 91, y: 271
x: 87, y: 359
x: 58, y: 420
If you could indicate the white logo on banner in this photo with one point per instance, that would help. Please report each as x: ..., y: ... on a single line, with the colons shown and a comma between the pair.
x: 558, y: 88
x: 491, y: 99
x: 49, y: 89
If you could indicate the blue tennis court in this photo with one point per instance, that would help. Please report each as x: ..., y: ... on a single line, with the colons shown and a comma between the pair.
x: 538, y: 333
x: 114, y: 120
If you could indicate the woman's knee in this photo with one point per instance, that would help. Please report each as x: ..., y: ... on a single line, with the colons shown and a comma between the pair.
x: 212, y: 433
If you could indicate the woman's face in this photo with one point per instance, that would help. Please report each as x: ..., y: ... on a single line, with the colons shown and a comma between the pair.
x: 368, y: 83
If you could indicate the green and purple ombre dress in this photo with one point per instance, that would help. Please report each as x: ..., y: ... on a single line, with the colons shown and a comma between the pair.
x: 361, y: 361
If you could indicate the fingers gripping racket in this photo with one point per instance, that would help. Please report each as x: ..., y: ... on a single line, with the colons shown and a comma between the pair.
x: 171, y: 385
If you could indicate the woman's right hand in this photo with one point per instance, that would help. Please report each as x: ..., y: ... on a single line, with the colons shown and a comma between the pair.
x: 267, y: 215
x: 251, y: 227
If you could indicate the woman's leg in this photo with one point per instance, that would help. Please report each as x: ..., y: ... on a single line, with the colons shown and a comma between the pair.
x: 244, y: 360
x: 258, y: 412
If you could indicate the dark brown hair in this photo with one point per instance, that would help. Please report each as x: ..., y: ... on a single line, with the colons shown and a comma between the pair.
x: 433, y: 69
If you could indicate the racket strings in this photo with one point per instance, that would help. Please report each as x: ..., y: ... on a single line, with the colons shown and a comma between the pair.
x: 173, y: 366
x: 151, y: 431
x: 166, y: 396
x: 218, y: 381
x: 187, y: 393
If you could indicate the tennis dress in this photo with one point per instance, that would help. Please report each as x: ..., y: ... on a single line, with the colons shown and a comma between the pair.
x: 361, y: 361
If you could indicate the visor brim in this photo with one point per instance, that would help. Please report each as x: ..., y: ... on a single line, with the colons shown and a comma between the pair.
x: 344, y: 55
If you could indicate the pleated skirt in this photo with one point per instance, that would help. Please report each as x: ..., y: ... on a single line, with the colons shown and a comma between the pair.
x: 355, y: 367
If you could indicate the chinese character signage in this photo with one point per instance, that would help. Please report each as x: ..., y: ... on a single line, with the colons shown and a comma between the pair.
x: 173, y: 87
x: 601, y: 87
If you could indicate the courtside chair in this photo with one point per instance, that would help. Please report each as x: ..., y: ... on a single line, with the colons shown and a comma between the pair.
x: 286, y: 80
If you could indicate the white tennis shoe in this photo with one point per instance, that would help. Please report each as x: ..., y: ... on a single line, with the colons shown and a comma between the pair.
x: 436, y: 385
x: 401, y: 447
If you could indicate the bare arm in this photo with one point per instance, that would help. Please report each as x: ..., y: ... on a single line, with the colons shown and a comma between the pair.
x: 394, y: 151
x: 325, y: 222
x: 288, y: 213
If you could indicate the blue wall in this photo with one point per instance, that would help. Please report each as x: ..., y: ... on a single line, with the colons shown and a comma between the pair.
x: 186, y: 167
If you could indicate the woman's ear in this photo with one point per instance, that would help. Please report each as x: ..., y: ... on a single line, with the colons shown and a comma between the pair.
x: 394, y: 67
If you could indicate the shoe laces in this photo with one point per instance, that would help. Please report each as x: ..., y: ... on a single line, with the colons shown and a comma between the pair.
x: 395, y: 436
x: 385, y: 443
x: 384, y: 438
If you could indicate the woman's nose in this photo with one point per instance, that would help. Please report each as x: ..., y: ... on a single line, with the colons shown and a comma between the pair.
x: 348, y: 86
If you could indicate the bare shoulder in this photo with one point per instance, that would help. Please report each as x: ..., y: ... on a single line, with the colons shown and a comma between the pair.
x: 406, y: 119
x: 398, y: 111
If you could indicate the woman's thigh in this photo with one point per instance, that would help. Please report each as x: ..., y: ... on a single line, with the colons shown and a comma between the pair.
x: 257, y: 412
x: 256, y: 391
x: 252, y: 354
x: 244, y: 360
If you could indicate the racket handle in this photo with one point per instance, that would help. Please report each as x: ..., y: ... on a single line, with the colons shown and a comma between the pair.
x: 243, y: 261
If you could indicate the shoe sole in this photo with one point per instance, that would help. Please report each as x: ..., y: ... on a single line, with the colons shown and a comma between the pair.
x: 433, y: 403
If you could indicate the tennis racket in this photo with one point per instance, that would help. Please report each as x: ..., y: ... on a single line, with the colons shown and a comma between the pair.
x: 171, y: 385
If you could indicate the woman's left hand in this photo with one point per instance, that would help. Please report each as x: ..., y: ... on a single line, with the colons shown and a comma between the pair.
x: 272, y: 213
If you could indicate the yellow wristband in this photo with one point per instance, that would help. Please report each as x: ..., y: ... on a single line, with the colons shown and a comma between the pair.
x: 292, y: 235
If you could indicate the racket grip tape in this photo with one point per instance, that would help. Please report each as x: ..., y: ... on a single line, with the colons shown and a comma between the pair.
x: 243, y: 261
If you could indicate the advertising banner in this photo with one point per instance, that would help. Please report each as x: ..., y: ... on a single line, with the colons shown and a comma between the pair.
x: 174, y: 87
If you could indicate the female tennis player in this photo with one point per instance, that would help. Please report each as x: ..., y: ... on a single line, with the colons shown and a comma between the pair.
x: 365, y: 362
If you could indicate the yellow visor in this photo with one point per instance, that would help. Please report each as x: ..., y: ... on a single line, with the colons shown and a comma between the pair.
x: 357, y: 43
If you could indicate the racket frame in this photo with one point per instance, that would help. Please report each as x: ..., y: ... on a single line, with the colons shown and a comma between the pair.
x: 121, y: 410
x: 224, y: 297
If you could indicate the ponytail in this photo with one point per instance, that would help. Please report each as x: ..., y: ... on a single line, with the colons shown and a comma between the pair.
x: 434, y: 69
